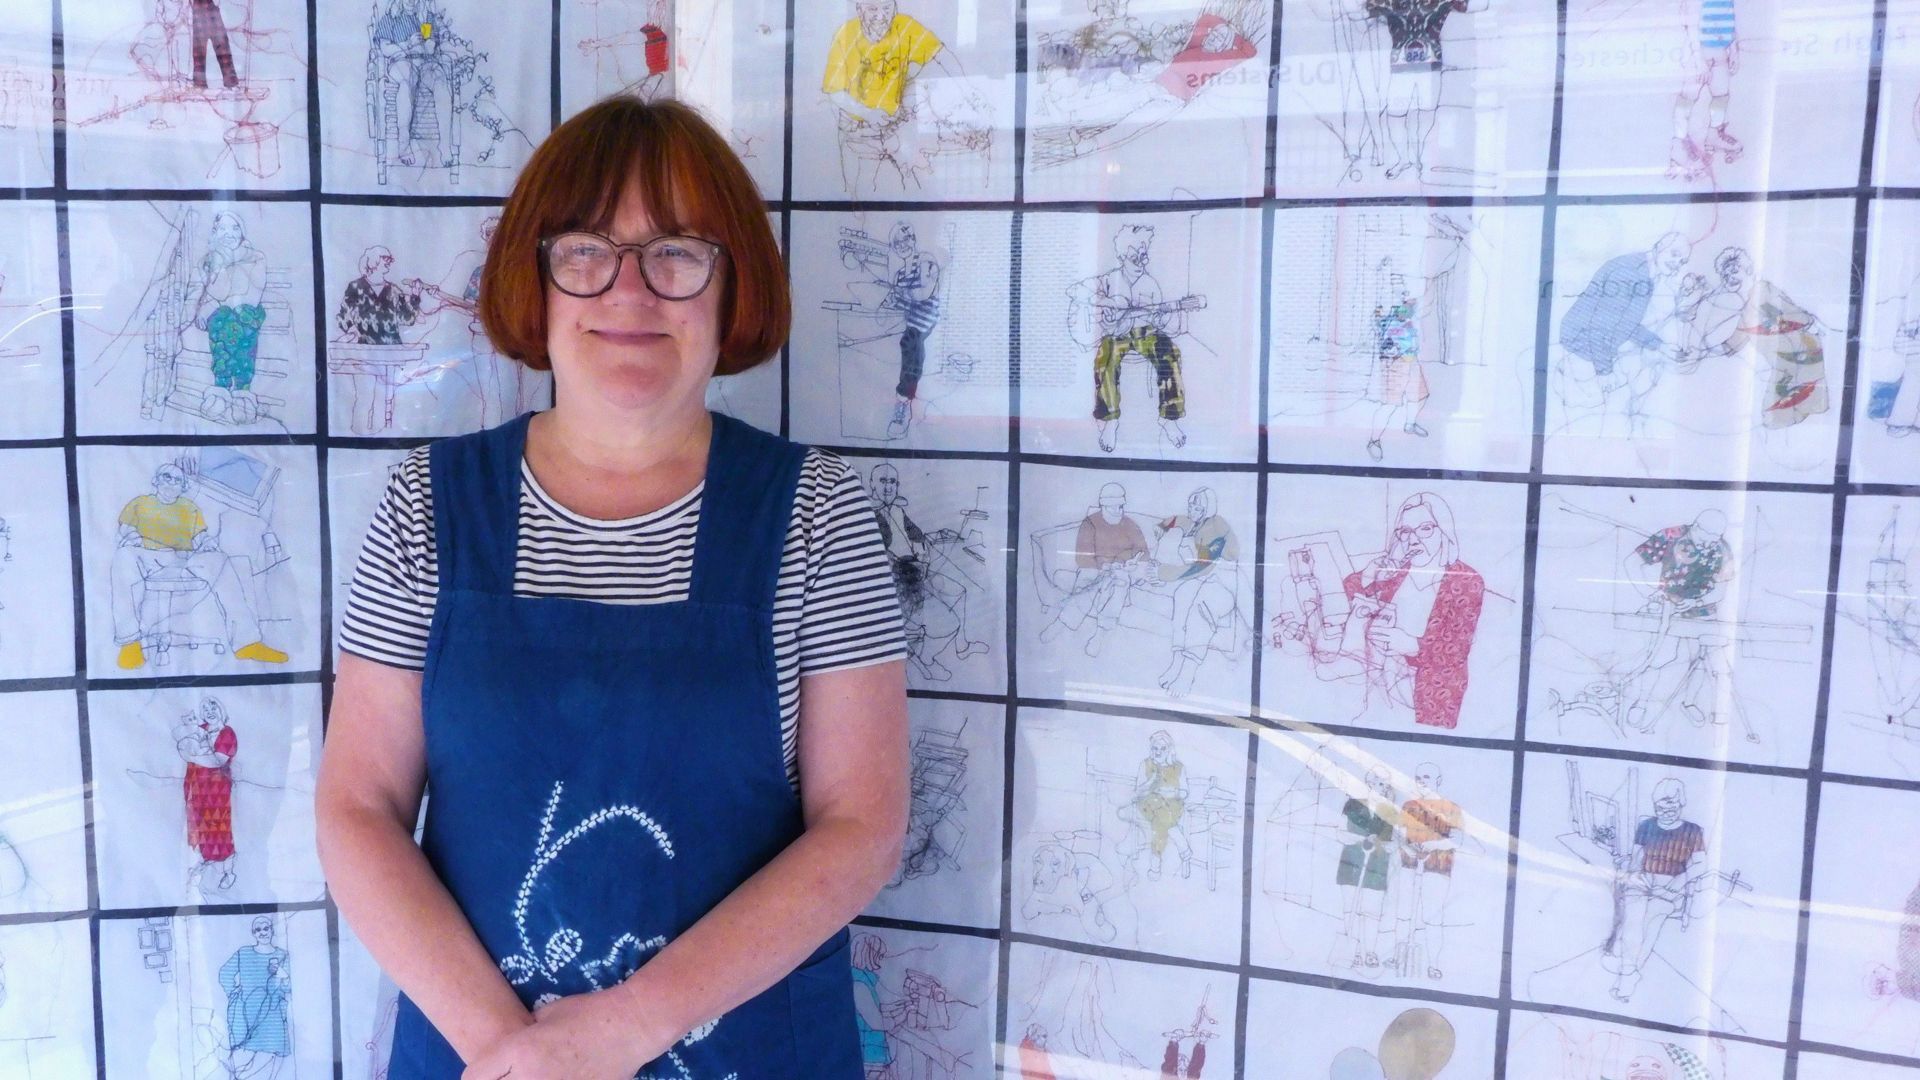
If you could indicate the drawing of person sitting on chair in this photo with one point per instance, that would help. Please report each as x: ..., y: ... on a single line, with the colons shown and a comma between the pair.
x: 165, y: 564
x: 1658, y: 878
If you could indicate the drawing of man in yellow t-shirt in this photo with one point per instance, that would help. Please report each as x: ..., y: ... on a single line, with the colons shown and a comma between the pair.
x: 163, y: 546
x: 872, y: 67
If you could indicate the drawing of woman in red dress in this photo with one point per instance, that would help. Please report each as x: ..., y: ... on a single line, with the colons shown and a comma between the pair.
x: 207, y: 744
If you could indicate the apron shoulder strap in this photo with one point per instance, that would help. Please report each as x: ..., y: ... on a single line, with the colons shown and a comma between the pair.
x: 745, y: 511
x: 476, y: 506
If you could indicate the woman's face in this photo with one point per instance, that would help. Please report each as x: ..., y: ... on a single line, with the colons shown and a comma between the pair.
x: 627, y: 347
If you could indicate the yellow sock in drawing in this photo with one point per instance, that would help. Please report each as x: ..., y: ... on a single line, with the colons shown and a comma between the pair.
x: 132, y: 656
x: 262, y: 652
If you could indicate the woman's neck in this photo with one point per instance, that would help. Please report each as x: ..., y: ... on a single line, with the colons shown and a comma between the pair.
x: 612, y: 441
x: 611, y: 469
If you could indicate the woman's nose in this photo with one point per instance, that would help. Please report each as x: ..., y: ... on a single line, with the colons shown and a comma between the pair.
x: 629, y: 281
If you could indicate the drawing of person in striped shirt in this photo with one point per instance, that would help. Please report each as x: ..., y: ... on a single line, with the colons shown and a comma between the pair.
x: 1711, y: 59
x: 1658, y: 878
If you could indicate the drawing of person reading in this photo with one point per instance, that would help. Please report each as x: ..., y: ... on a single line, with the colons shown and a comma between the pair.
x: 166, y: 558
x: 1656, y: 881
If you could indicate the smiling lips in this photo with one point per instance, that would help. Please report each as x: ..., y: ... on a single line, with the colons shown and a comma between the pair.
x: 626, y: 337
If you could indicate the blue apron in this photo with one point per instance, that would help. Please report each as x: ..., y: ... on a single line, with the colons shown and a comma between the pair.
x: 600, y: 776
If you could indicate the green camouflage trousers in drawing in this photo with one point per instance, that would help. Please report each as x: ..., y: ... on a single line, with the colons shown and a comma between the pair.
x: 233, y: 336
x: 1159, y: 350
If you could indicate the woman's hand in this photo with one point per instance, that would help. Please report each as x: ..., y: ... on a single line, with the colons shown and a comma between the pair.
x: 584, y: 1037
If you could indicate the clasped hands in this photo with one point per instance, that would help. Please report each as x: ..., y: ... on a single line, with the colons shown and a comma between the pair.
x: 595, y: 1036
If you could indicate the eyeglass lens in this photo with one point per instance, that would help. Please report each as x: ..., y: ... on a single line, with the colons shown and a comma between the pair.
x: 675, y: 267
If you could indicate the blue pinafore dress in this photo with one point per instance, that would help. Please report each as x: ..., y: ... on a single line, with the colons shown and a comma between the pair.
x: 600, y: 776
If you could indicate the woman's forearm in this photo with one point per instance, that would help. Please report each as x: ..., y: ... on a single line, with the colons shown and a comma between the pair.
x: 385, y: 888
x: 764, y: 929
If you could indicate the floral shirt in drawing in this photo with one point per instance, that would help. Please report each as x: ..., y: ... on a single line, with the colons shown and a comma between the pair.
x: 370, y: 316
x: 1440, y: 667
x: 1688, y: 569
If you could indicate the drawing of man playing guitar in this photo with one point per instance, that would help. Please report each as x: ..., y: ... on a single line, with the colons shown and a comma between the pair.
x: 1120, y: 313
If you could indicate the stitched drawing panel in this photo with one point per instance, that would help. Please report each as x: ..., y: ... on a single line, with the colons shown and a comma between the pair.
x: 26, y: 112
x: 43, y: 859
x: 1392, y: 603
x: 1863, y: 949
x: 200, y: 560
x: 1126, y: 832
x: 36, y: 568
x: 1698, y: 340
x: 243, y: 993
x: 941, y: 524
x: 1136, y: 587
x: 903, y: 324
x: 1676, y: 622
x: 1093, y: 1018
x: 429, y: 97
x: 1404, y: 336
x: 193, y: 94
x: 1887, y: 397
x: 1643, y: 892
x: 1706, y: 97
x: 1414, y: 98
x: 950, y: 865
x: 203, y: 319
x: 1164, y: 104
x: 1372, y: 1036
x: 1136, y: 335
x: 732, y: 63
x: 904, y: 101
x: 32, y: 394
x: 1380, y: 862
x: 406, y: 354
x: 1580, y: 1049
x: 49, y: 1032
x: 205, y: 796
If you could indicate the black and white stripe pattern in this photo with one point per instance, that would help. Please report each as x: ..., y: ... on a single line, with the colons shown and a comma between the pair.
x: 834, y: 606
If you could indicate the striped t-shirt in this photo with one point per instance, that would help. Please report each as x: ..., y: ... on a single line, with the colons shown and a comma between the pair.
x: 834, y: 604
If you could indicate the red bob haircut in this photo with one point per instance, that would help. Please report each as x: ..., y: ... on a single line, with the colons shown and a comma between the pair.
x: 692, y: 183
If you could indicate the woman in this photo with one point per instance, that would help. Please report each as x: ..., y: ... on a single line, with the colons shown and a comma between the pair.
x: 648, y: 659
x: 1418, y: 654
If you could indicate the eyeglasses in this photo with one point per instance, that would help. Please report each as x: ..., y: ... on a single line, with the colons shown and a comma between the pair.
x: 585, y: 264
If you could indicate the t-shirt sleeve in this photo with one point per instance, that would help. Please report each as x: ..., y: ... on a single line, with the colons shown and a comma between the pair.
x: 925, y: 45
x: 849, y: 615
x: 390, y: 604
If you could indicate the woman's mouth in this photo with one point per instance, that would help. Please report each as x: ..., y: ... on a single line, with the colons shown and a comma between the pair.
x: 626, y: 337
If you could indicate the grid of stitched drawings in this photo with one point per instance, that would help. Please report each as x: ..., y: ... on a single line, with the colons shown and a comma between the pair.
x: 1404, y: 509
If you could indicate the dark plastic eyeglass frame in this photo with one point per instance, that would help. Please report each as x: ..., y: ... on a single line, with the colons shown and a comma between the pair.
x: 620, y: 261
